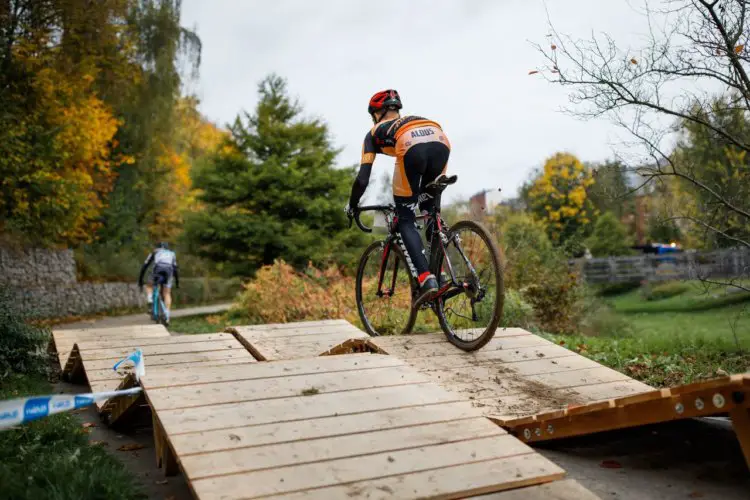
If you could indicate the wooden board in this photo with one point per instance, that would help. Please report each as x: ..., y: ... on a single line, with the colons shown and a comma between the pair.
x: 557, y: 490
x: 91, y: 361
x: 301, y: 340
x: 516, y: 374
x: 701, y: 399
x: 62, y: 341
x: 332, y: 427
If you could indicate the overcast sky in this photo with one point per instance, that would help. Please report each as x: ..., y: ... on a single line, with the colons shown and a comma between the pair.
x: 463, y: 63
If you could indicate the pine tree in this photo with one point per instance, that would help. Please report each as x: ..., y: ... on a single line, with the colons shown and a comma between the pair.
x: 272, y: 191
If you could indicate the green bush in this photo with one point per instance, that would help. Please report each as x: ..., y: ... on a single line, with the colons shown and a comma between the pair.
x: 517, y: 312
x: 613, y: 289
x: 556, y: 302
x: 610, y: 237
x: 23, y: 346
x: 665, y: 290
x: 194, y: 291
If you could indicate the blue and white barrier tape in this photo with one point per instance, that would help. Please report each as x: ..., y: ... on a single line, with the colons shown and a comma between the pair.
x: 21, y: 410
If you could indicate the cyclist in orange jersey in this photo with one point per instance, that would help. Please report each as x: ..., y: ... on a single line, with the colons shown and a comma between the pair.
x: 421, y: 149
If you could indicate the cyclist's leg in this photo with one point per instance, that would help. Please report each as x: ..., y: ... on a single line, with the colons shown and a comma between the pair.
x: 406, y: 182
x: 436, y: 164
x: 167, y: 291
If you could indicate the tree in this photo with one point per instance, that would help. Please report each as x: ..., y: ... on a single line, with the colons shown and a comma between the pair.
x: 694, y: 48
x: 57, y: 162
x: 611, y: 191
x: 558, y: 196
x: 272, y: 191
x: 610, y: 237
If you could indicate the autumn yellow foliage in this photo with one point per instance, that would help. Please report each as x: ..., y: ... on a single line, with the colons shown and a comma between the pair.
x: 559, y: 197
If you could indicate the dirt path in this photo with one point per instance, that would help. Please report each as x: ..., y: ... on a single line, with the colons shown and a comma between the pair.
x: 142, y: 319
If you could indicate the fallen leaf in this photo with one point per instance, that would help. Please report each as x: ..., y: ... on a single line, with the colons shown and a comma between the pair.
x: 562, y: 342
x: 99, y: 443
x: 234, y: 437
x: 739, y: 49
x: 131, y: 447
x: 86, y: 425
x: 391, y: 459
x: 165, y: 481
x: 610, y: 464
x: 533, y: 72
x: 633, y: 61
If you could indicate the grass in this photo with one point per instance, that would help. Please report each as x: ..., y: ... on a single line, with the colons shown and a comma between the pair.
x: 206, y: 323
x: 52, y: 459
x: 691, y: 336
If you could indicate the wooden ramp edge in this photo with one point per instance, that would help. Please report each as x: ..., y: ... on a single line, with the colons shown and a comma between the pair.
x: 274, y: 342
x: 517, y: 374
x: 354, y: 425
x: 62, y: 341
x: 724, y: 395
x: 91, y: 363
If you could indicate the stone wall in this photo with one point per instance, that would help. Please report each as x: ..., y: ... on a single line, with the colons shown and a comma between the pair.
x: 36, y: 267
x: 43, y: 284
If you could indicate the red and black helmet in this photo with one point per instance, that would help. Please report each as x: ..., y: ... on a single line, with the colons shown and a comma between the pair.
x: 384, y: 100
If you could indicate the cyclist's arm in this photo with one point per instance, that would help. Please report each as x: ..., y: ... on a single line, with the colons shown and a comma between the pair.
x: 145, y: 265
x: 365, y: 168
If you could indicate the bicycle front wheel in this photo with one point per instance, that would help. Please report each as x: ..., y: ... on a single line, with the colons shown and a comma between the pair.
x: 384, y: 290
x: 470, y: 315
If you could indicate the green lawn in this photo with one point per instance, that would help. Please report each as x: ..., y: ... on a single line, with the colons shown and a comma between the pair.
x: 694, y: 335
x: 52, y: 459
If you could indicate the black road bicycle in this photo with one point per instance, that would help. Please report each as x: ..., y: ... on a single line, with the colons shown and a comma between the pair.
x: 465, y: 260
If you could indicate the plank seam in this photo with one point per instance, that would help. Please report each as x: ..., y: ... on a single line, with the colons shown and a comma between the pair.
x: 490, y: 433
x: 422, y: 382
x: 302, y: 440
x: 354, y: 369
x: 313, y: 418
x: 549, y: 478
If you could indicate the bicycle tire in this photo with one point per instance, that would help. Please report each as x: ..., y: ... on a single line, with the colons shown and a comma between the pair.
x: 489, y: 331
x: 377, y: 247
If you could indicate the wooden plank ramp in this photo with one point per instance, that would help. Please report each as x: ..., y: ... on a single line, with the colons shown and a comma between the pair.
x: 724, y: 395
x: 62, y: 341
x: 91, y: 362
x: 348, y: 426
x: 517, y: 374
x: 280, y: 341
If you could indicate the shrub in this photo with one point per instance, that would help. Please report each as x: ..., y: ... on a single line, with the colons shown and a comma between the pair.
x: 528, y: 252
x: 610, y: 237
x: 516, y: 311
x: 22, y: 345
x: 279, y: 294
x: 665, y: 290
x: 610, y: 290
x: 555, y: 303
x: 207, y: 290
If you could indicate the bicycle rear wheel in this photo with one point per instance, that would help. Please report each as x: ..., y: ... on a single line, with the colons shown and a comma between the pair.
x: 469, y: 318
x: 384, y: 305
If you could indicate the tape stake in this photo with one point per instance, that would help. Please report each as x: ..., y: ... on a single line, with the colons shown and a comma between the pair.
x: 137, y: 359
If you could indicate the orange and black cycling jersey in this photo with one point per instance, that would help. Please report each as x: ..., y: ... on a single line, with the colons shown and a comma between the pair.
x: 382, y: 138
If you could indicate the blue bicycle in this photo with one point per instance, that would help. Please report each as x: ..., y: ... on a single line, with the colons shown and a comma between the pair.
x: 159, y: 312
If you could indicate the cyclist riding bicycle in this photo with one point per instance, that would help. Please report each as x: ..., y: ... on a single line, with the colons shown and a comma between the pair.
x: 164, y: 273
x: 421, y: 149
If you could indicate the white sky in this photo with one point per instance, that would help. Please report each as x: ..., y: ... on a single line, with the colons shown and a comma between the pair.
x: 463, y: 63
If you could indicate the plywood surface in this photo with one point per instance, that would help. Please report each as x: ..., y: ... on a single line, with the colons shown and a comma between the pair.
x: 300, y: 340
x: 92, y: 360
x: 62, y: 341
x: 334, y: 427
x: 516, y: 374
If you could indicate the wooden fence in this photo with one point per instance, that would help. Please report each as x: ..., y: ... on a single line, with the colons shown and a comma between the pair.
x: 726, y: 264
